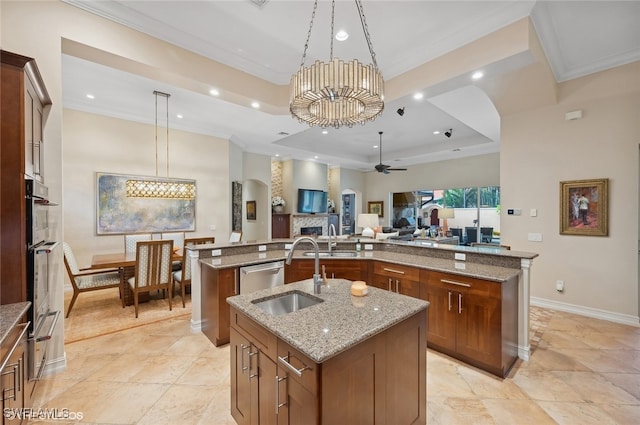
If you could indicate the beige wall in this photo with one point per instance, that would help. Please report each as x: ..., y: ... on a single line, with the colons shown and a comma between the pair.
x: 94, y: 143
x: 540, y: 149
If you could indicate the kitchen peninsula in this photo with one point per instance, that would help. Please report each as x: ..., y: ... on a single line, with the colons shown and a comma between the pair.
x: 479, y: 296
x: 345, y: 359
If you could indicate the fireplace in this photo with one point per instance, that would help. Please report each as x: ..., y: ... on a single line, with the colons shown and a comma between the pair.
x: 311, y: 231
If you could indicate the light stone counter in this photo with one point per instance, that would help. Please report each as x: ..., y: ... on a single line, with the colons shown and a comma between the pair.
x: 479, y: 270
x: 337, y: 324
x: 10, y: 315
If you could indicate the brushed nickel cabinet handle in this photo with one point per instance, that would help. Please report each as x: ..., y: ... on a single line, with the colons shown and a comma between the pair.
x: 292, y: 368
x: 453, y: 282
x: 449, y: 300
x: 393, y: 270
x: 459, y: 303
x: 278, y: 404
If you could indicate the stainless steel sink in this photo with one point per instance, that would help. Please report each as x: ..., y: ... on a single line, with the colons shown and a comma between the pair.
x: 332, y: 254
x: 287, y: 302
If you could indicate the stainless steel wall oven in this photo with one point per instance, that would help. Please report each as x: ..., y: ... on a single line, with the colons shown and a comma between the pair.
x: 39, y: 248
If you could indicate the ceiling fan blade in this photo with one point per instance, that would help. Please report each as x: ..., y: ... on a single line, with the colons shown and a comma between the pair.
x: 397, y: 169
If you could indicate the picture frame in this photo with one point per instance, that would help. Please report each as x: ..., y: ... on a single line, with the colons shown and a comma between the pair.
x: 117, y: 213
x: 376, y: 207
x: 251, y: 210
x: 584, y: 207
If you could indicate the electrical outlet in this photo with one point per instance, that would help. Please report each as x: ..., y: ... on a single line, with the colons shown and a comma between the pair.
x: 460, y: 256
x: 262, y: 248
x: 534, y: 237
x: 560, y: 285
x: 212, y: 227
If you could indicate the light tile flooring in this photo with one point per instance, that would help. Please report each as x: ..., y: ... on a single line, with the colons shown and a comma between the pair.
x: 582, y: 371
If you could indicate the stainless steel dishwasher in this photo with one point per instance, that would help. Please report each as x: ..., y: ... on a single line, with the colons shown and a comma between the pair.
x: 261, y: 276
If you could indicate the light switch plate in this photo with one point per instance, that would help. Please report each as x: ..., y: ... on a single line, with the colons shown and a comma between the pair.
x: 216, y: 252
x: 262, y: 247
x: 460, y: 256
x: 368, y: 247
x: 534, y: 237
x: 287, y: 246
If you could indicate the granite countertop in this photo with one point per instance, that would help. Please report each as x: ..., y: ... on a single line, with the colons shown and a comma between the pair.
x: 330, y: 327
x: 482, y: 271
x: 10, y: 315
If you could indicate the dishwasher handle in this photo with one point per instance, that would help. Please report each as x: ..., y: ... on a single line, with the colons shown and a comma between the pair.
x: 273, y: 267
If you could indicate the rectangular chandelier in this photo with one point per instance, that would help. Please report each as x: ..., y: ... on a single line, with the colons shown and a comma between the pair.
x: 166, y: 189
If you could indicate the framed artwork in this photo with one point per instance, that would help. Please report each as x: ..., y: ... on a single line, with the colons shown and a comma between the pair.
x: 251, y: 210
x: 376, y: 207
x: 118, y: 212
x: 584, y: 207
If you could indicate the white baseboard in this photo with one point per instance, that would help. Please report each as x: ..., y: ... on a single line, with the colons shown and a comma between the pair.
x: 55, y: 366
x: 595, y: 313
x: 196, y: 326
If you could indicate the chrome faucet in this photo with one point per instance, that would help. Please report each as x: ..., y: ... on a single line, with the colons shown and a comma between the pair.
x: 317, y: 278
x: 332, y: 244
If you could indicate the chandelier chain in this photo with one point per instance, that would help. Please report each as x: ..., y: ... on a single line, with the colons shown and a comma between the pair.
x: 365, y: 29
x: 333, y: 13
x: 306, y: 43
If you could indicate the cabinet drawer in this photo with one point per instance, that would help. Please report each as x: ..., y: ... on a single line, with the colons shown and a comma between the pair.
x: 308, y: 369
x: 260, y: 337
x: 396, y: 271
x: 469, y: 284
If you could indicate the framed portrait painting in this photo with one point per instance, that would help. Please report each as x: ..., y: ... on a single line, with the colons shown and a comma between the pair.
x: 376, y: 207
x: 584, y: 207
x: 251, y: 210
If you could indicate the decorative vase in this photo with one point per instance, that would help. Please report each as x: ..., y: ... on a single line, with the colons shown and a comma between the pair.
x: 278, y: 209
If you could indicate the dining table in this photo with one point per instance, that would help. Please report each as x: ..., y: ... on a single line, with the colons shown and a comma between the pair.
x: 125, y: 262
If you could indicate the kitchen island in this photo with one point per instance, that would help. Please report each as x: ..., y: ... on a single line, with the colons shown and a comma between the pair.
x: 346, y: 359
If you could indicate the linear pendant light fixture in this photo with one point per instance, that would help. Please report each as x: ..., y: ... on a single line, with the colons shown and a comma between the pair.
x: 336, y: 93
x: 160, y: 188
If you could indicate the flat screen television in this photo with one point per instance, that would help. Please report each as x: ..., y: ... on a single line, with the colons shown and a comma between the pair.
x: 312, y: 201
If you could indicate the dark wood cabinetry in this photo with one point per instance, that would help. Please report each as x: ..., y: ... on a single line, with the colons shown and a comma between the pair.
x: 24, y: 103
x: 380, y: 380
x: 216, y: 286
x: 13, y: 376
x: 339, y: 269
x: 472, y: 319
x: 395, y: 277
x: 280, y: 226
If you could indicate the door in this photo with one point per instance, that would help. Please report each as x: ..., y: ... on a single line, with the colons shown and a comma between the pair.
x: 442, y: 315
x: 240, y: 384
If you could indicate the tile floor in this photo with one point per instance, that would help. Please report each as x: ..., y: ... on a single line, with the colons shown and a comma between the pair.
x: 582, y: 371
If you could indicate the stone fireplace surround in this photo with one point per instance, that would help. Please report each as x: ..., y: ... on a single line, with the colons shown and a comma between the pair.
x: 300, y: 221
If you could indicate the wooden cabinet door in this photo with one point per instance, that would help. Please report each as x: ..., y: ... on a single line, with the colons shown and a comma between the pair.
x: 339, y: 269
x: 442, y: 315
x: 479, y: 327
x: 240, y: 383
x: 265, y: 380
x: 280, y: 225
x: 217, y: 285
x: 408, y: 287
x: 378, y: 281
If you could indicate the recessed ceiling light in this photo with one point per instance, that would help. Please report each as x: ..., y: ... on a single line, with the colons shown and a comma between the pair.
x: 255, y: 105
x: 418, y: 96
x: 90, y: 96
x: 179, y: 116
x: 375, y: 146
x: 436, y: 132
x: 214, y: 92
x: 325, y: 132
x: 477, y: 75
x: 342, y: 35
x: 277, y: 155
x: 316, y: 157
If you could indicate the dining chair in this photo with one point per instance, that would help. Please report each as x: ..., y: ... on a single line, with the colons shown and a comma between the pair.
x: 487, y: 234
x: 178, y: 244
x: 235, y: 236
x: 472, y: 235
x: 152, y: 270
x: 182, y: 277
x: 85, y: 280
x: 130, y: 241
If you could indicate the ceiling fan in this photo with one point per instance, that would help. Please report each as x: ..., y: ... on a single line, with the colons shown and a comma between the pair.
x: 383, y: 168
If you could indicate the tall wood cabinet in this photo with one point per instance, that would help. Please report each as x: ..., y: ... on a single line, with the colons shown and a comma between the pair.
x: 24, y: 106
x: 280, y: 226
x: 216, y: 286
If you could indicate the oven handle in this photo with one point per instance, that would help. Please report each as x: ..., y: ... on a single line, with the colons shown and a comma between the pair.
x: 53, y: 326
x: 24, y: 330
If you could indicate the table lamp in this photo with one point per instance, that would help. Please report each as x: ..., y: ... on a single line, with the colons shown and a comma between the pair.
x: 368, y: 222
x: 444, y: 214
